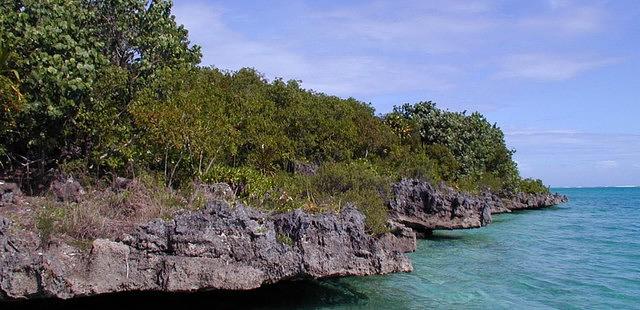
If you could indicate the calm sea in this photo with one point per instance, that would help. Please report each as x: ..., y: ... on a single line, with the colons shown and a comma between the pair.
x: 582, y: 254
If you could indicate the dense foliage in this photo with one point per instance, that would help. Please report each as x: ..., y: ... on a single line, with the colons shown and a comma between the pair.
x: 113, y: 87
x: 64, y: 48
x: 467, y: 148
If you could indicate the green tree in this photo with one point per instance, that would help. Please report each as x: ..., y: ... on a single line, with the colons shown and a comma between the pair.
x: 467, y: 148
x: 66, y: 47
x: 142, y: 37
x: 57, y: 42
x: 11, y: 99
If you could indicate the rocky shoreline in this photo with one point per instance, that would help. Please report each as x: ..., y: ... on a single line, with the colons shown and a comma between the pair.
x: 234, y: 247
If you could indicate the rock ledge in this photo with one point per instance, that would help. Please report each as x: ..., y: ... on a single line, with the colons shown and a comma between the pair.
x: 220, y: 247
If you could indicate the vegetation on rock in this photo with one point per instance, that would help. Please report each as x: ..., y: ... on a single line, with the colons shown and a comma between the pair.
x: 113, y: 88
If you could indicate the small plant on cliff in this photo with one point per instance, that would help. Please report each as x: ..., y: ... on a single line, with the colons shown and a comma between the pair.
x: 533, y: 186
x: 284, y: 239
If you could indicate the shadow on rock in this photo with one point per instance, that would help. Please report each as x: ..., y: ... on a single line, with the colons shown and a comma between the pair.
x: 286, y: 295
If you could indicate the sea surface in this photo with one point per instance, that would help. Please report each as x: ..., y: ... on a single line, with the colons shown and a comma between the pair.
x: 582, y: 254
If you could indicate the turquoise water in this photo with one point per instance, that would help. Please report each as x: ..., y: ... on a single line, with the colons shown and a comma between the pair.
x: 582, y: 254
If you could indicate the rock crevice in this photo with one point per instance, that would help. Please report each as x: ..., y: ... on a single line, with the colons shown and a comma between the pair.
x: 221, y: 247
x: 423, y: 207
x: 234, y: 247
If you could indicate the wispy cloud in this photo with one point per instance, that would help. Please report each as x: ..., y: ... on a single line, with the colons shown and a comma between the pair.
x: 347, y: 75
x: 607, y: 164
x: 549, y: 67
x: 565, y: 19
x: 424, y: 28
x: 572, y: 157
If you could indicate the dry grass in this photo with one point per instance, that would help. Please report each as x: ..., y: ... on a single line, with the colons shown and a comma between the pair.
x: 103, y: 212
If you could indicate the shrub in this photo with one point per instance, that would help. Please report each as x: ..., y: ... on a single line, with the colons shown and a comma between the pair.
x: 533, y: 186
x: 337, y: 178
x: 284, y: 239
x: 247, y: 182
x: 359, y: 183
x: 372, y: 205
x: 478, y: 183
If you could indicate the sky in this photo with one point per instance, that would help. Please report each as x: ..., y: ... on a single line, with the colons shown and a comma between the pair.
x: 561, y: 78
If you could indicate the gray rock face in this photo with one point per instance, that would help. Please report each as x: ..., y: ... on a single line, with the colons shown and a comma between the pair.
x: 67, y: 189
x: 304, y: 168
x: 423, y: 207
x: 220, y: 247
x: 524, y: 201
x: 216, y: 191
x: 9, y: 193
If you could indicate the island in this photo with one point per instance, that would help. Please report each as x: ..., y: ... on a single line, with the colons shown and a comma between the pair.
x: 128, y: 167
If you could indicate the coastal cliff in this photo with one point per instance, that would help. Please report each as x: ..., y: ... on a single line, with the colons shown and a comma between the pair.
x: 220, y: 247
x: 235, y: 247
x: 425, y: 207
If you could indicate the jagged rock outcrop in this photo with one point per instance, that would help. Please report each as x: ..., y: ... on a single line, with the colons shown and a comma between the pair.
x: 220, y: 247
x: 524, y: 201
x: 9, y: 193
x: 423, y: 207
x: 67, y: 189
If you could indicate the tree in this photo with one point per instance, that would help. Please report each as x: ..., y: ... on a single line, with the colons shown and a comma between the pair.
x: 66, y: 46
x: 142, y: 37
x: 465, y: 147
x: 11, y: 99
x: 58, y: 60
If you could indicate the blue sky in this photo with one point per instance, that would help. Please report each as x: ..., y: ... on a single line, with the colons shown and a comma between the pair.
x: 561, y: 78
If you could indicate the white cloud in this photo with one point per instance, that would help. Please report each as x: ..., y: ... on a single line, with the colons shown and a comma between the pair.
x: 382, y: 48
x: 531, y: 132
x: 549, y: 67
x: 566, y: 19
x: 228, y: 49
x: 341, y: 74
x: 607, y: 164
x: 429, y: 27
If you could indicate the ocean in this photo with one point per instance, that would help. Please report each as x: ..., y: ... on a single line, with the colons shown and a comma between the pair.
x: 582, y: 254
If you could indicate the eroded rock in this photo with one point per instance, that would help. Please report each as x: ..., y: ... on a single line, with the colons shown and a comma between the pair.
x: 221, y: 247
x: 524, y: 201
x: 423, y: 207
x: 9, y: 193
x: 67, y: 189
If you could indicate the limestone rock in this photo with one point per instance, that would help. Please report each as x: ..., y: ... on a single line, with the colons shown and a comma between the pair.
x: 9, y: 193
x: 221, y: 247
x: 423, y: 207
x: 67, y: 189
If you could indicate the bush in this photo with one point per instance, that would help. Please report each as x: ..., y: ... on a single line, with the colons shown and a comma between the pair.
x: 246, y: 182
x: 337, y: 178
x: 359, y: 183
x: 480, y: 183
x: 462, y: 145
x: 372, y: 205
x: 533, y: 186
